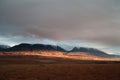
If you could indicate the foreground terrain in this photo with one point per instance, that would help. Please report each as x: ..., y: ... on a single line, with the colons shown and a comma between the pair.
x: 31, y: 67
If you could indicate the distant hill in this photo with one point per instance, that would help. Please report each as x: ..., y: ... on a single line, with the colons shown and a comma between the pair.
x: 43, y: 47
x: 35, y: 47
x: 92, y: 51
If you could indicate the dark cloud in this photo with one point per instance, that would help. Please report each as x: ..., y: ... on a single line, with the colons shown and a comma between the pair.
x: 97, y: 20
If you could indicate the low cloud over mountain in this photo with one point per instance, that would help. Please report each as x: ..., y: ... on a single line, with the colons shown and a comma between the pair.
x: 96, y: 20
x: 43, y: 47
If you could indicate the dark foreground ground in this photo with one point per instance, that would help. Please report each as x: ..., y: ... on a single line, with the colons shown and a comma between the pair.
x: 48, y: 68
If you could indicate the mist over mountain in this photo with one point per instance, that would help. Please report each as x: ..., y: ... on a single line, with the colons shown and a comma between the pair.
x: 92, y: 51
x: 31, y: 21
x: 45, y: 47
x: 3, y: 47
x: 33, y: 47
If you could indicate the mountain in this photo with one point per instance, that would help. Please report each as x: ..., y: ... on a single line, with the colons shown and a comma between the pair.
x: 20, y: 47
x: 61, y: 49
x: 43, y: 47
x: 3, y: 47
x: 92, y: 51
x: 81, y: 49
x: 35, y: 47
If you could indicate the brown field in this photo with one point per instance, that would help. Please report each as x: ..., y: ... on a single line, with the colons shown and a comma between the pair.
x: 33, y: 67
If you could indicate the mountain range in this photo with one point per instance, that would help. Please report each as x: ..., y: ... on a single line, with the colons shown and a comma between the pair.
x: 43, y: 47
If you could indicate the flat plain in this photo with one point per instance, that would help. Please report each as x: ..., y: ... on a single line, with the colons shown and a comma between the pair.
x: 31, y: 67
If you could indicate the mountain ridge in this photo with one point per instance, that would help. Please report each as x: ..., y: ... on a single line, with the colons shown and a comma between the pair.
x: 46, y: 47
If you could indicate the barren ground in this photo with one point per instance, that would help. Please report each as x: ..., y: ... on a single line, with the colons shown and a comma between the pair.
x: 54, y: 68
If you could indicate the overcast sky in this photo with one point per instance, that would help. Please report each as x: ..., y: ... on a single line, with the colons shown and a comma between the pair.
x: 31, y: 20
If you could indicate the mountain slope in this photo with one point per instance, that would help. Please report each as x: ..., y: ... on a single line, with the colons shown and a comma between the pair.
x: 43, y: 47
x: 3, y: 47
x: 91, y: 51
x: 35, y: 47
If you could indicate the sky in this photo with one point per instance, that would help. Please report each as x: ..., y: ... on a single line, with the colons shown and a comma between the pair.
x: 48, y: 21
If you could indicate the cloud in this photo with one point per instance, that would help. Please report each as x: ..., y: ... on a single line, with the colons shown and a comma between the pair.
x: 97, y: 20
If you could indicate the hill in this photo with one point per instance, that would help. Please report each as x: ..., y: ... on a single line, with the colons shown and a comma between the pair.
x: 56, y: 51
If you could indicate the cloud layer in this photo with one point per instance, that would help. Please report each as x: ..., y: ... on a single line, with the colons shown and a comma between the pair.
x: 97, y: 20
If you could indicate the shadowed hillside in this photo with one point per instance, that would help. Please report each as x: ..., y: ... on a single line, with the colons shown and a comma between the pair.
x: 47, y: 62
x: 81, y: 53
x: 43, y: 47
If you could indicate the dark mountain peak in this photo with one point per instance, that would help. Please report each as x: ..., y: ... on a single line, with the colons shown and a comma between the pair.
x: 34, y: 47
x: 23, y: 45
x: 80, y: 49
x: 20, y: 47
x: 51, y: 47
x: 38, y: 47
x: 92, y: 51
x: 44, y: 47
